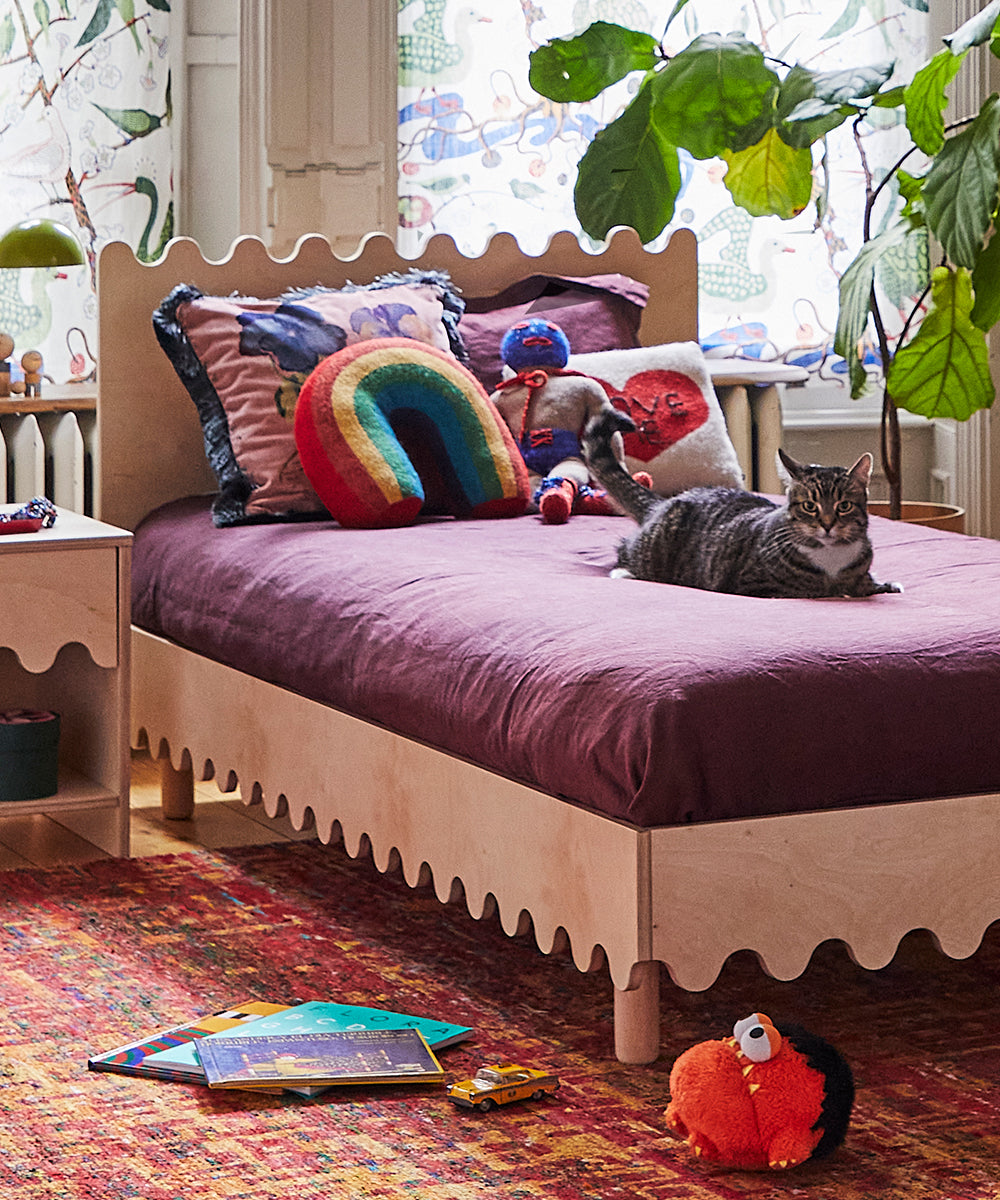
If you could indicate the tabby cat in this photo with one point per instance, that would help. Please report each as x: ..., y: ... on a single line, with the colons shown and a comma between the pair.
x: 726, y: 540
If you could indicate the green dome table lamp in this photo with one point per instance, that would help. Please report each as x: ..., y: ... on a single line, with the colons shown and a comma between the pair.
x: 36, y: 242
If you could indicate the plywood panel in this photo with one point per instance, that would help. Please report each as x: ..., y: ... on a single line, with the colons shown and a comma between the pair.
x: 498, y: 838
x: 782, y: 885
x: 44, y: 607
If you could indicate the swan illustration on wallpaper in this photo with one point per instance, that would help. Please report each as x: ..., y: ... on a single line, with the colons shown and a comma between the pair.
x: 427, y: 57
x: 747, y: 285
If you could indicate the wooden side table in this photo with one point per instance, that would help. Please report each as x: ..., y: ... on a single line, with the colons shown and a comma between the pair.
x: 749, y: 387
x: 64, y: 645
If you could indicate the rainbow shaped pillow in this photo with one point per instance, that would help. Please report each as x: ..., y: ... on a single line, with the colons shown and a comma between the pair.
x: 388, y: 428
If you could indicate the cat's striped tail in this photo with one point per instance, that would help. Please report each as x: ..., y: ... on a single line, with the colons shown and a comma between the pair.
x: 599, y: 452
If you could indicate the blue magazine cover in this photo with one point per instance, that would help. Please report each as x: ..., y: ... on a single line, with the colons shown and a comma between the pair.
x: 314, y: 1016
x: 355, y: 1056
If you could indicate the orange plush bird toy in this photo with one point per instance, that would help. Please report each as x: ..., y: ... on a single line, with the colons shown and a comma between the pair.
x: 770, y: 1096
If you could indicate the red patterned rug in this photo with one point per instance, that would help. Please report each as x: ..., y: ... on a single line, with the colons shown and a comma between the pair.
x: 94, y: 956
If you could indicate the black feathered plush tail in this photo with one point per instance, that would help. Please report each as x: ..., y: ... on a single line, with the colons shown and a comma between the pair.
x: 599, y: 452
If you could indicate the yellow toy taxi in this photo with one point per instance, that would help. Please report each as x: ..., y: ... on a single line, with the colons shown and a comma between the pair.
x: 501, y: 1083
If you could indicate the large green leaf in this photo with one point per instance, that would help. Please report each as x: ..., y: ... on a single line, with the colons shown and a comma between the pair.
x: 855, y: 302
x: 797, y: 90
x: 986, y: 286
x: 911, y: 191
x: 856, y: 83
x: 770, y: 178
x: 713, y: 95
x: 926, y: 100
x: 797, y: 86
x: 630, y: 175
x: 976, y: 30
x: 834, y: 95
x: 815, y: 109
x: 944, y: 371
x: 580, y: 68
x: 960, y: 189
x: 890, y: 98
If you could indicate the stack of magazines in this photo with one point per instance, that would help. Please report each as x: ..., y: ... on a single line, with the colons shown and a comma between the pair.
x: 302, y: 1048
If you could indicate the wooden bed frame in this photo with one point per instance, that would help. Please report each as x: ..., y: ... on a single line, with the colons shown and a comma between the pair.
x: 629, y: 897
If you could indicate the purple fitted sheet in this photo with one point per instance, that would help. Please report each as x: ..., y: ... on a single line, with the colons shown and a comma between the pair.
x: 506, y: 643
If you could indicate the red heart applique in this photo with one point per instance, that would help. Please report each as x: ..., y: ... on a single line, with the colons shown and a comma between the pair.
x: 665, y: 405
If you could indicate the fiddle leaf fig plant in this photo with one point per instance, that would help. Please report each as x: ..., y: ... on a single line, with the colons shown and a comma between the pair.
x: 723, y: 97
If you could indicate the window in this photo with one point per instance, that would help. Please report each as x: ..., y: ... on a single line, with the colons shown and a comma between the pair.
x: 480, y: 152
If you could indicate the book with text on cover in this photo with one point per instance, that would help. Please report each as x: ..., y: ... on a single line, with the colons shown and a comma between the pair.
x: 320, y: 1059
x: 313, y: 1016
x: 136, y: 1058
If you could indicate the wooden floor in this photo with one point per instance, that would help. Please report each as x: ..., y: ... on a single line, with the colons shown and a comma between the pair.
x: 219, y: 820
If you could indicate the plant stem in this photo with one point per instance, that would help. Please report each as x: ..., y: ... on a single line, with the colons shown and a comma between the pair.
x: 891, y: 452
x: 891, y: 447
x: 891, y: 444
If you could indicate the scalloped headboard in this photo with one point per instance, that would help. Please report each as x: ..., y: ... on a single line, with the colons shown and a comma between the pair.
x: 150, y: 446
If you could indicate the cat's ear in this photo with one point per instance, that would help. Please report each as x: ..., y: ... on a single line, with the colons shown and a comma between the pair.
x: 861, y: 472
x: 788, y: 469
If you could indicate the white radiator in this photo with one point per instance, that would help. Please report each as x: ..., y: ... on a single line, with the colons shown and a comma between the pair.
x: 47, y: 454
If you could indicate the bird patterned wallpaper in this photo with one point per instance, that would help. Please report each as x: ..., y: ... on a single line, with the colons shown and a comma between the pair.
x: 84, y: 138
x: 480, y: 152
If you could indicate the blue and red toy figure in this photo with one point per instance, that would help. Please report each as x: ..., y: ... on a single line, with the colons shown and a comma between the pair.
x: 546, y: 407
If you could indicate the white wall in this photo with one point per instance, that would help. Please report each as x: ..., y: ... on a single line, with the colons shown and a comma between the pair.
x: 825, y: 425
x: 286, y: 120
x: 207, y: 121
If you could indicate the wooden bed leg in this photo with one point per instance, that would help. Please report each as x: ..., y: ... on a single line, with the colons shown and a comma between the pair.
x: 637, y: 1016
x: 176, y: 791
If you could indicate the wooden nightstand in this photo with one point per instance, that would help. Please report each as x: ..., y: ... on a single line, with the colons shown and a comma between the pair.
x: 749, y: 396
x: 64, y: 646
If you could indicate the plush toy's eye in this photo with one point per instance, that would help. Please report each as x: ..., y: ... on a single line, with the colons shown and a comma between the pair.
x: 757, y: 1037
x: 741, y: 1027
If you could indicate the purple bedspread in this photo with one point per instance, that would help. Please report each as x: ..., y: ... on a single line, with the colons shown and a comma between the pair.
x: 506, y: 643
